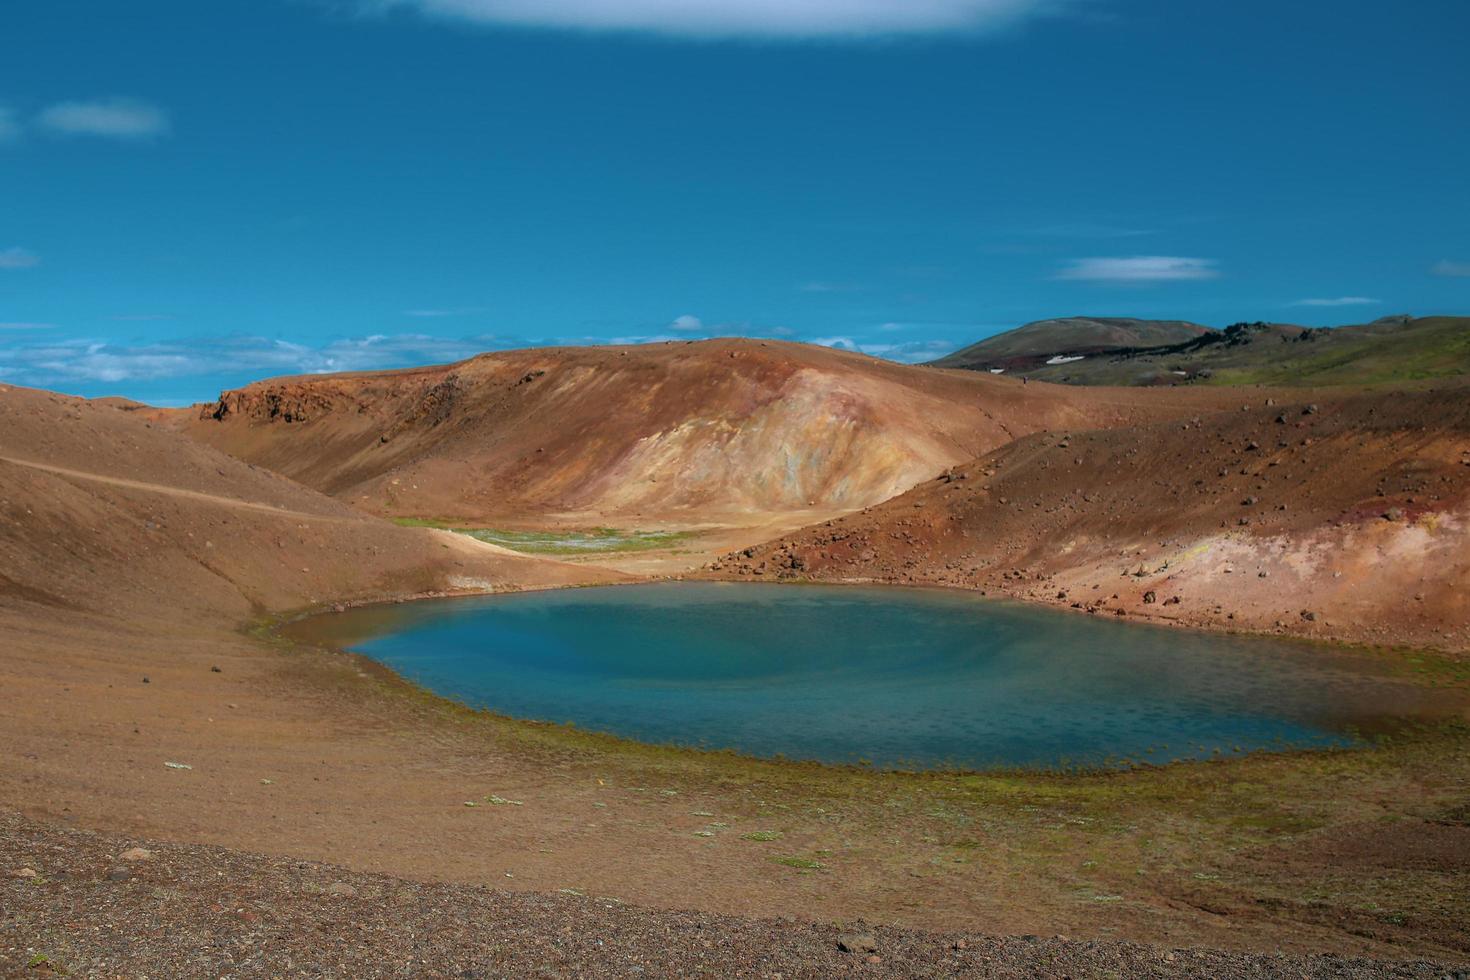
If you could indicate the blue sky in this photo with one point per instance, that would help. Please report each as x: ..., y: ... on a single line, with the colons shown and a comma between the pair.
x: 197, y: 194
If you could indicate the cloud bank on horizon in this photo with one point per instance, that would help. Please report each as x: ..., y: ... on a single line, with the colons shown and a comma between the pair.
x: 212, y: 363
x: 738, y: 18
x: 45, y: 362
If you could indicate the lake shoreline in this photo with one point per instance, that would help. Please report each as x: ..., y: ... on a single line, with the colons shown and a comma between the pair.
x: 1378, y: 666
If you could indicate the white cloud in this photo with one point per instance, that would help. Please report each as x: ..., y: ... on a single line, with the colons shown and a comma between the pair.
x: 739, y: 18
x: 1339, y: 301
x: 9, y: 126
x: 911, y: 352
x: 115, y: 118
x: 1456, y: 270
x: 1140, y: 269
x: 18, y: 258
x: 687, y: 323
x: 841, y: 343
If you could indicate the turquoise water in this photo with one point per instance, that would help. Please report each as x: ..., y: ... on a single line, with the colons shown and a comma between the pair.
x: 895, y: 678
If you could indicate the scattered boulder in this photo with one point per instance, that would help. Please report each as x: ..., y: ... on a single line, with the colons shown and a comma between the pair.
x: 341, y: 889
x: 136, y: 854
x: 857, y: 943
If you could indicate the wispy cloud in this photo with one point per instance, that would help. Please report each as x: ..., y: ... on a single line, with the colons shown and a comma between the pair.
x: 1086, y: 229
x: 1339, y: 301
x: 26, y: 325
x: 9, y: 125
x: 687, y: 323
x: 18, y: 258
x: 739, y: 18
x: 821, y: 286
x: 1454, y: 270
x: 436, y: 312
x: 114, y: 118
x: 1140, y: 269
x: 141, y: 317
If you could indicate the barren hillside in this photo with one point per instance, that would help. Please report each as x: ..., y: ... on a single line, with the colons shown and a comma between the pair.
x: 104, y: 512
x: 723, y: 431
x: 1347, y: 518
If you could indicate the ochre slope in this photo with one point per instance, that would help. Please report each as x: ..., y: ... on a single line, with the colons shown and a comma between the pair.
x: 105, y: 513
x: 1348, y: 519
x: 721, y: 431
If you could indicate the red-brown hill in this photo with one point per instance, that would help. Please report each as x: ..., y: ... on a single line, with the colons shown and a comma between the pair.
x: 720, y: 431
x: 1347, y: 518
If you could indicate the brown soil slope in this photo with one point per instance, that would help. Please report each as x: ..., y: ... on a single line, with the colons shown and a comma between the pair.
x: 104, y: 512
x: 721, y: 431
x: 134, y: 706
x: 1350, y: 519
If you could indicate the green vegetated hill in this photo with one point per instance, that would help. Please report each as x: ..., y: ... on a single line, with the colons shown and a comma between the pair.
x: 1095, y: 351
x: 1032, y: 345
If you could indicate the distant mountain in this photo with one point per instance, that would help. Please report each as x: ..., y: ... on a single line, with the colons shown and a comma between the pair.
x: 1388, y: 350
x: 1034, y: 344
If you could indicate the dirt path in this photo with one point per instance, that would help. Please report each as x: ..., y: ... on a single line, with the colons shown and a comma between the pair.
x: 167, y: 491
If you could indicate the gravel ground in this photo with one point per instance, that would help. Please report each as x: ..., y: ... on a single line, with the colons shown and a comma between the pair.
x: 76, y: 903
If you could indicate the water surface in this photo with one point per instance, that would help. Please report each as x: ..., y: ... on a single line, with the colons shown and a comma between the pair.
x: 891, y: 677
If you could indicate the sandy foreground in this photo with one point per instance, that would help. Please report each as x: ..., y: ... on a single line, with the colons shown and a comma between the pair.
x: 145, y: 707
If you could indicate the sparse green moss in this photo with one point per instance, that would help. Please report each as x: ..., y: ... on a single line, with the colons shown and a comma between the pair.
x: 803, y: 863
x: 590, y: 541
